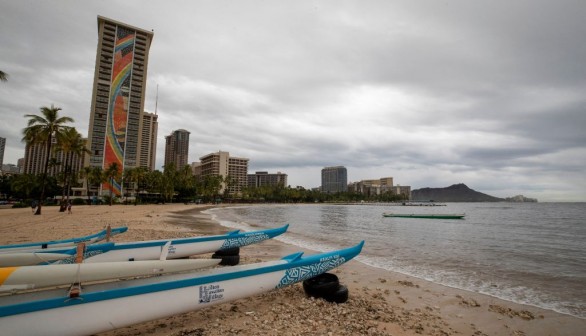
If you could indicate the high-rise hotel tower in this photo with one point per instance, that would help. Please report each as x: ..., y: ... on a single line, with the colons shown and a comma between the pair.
x: 177, y: 148
x: 116, y: 116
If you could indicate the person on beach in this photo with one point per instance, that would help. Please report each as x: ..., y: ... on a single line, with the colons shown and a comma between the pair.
x: 33, y: 206
x: 69, y: 207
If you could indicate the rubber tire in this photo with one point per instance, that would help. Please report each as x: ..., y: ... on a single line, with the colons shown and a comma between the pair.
x: 233, y: 251
x: 339, y: 296
x: 227, y: 260
x: 321, y: 285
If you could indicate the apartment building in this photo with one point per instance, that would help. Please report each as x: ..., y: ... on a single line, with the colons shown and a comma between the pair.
x: 222, y: 164
x: 334, y: 179
x: 148, y: 143
x: 34, y: 160
x: 177, y: 148
x: 263, y: 178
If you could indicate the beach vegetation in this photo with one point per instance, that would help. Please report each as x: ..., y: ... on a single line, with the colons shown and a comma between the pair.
x: 92, y: 176
x: 70, y: 142
x: 45, y: 128
x: 112, y: 174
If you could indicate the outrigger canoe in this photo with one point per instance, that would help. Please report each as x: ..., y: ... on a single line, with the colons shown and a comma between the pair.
x: 33, y: 277
x: 103, y: 307
x: 433, y: 216
x: 146, y: 250
x: 52, y: 244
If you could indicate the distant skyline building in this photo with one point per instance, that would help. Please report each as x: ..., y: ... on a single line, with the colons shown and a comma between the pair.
x: 2, y: 147
x: 263, y: 178
x: 372, y: 187
x: 177, y: 148
x: 115, y: 127
x: 334, y: 179
x: 20, y: 165
x: 148, y: 143
x: 221, y: 164
x: 9, y: 168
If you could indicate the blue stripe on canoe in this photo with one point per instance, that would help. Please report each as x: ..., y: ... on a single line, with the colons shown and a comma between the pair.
x: 269, y: 232
x: 298, y: 262
x: 101, y: 234
x: 123, y: 246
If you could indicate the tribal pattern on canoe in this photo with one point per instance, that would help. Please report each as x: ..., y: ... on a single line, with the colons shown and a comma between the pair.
x: 301, y: 273
x: 243, y: 241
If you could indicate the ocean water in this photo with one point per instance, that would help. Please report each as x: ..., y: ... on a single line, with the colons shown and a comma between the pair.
x: 529, y: 253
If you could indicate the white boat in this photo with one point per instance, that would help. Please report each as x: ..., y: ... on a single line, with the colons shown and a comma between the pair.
x: 45, y: 257
x: 65, y: 243
x: 151, y: 250
x: 103, y: 307
x: 32, y: 277
x: 30, y: 258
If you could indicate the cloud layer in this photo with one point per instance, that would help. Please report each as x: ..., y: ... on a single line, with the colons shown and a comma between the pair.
x: 482, y: 93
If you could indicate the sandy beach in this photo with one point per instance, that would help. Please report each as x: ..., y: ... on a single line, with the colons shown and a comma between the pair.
x: 380, y: 303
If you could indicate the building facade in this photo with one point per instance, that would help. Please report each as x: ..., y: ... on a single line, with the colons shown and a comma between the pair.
x: 334, y: 179
x: 221, y: 164
x: 34, y: 160
x: 148, y: 143
x: 402, y: 190
x: 115, y: 126
x: 260, y: 179
x: 177, y: 148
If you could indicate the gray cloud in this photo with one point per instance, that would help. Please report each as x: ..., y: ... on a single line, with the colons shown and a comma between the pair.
x: 484, y: 93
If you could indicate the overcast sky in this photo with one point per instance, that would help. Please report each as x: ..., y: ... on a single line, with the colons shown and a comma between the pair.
x: 433, y: 93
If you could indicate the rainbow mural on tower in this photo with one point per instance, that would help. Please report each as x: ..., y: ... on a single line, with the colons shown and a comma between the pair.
x: 119, y: 104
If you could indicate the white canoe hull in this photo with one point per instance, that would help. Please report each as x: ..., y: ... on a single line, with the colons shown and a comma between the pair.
x: 29, y: 277
x: 30, y: 258
x: 107, y: 315
x: 108, y: 306
x: 154, y: 252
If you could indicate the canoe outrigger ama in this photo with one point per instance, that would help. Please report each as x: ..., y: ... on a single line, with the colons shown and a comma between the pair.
x: 103, y: 307
x: 65, y: 243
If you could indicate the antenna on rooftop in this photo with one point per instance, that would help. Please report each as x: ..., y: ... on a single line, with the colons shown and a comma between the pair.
x: 157, y: 100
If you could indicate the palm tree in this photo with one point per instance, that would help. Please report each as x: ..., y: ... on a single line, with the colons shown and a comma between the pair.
x: 140, y: 173
x: 168, y: 182
x: 86, y: 175
x: 24, y: 184
x: 111, y: 174
x: 186, y: 183
x: 71, y: 143
x: 93, y: 176
x: 41, y: 129
x: 130, y: 178
x: 3, y: 76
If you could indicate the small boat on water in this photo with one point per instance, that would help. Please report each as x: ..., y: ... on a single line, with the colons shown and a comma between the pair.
x: 142, y: 250
x: 107, y: 306
x: 71, y: 242
x: 432, y: 216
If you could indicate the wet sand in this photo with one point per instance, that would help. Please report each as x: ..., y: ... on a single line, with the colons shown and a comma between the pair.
x: 380, y: 302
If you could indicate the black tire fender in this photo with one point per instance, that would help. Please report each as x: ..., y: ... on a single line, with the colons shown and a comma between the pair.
x: 232, y: 260
x: 339, y: 296
x: 232, y: 251
x: 321, y: 285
